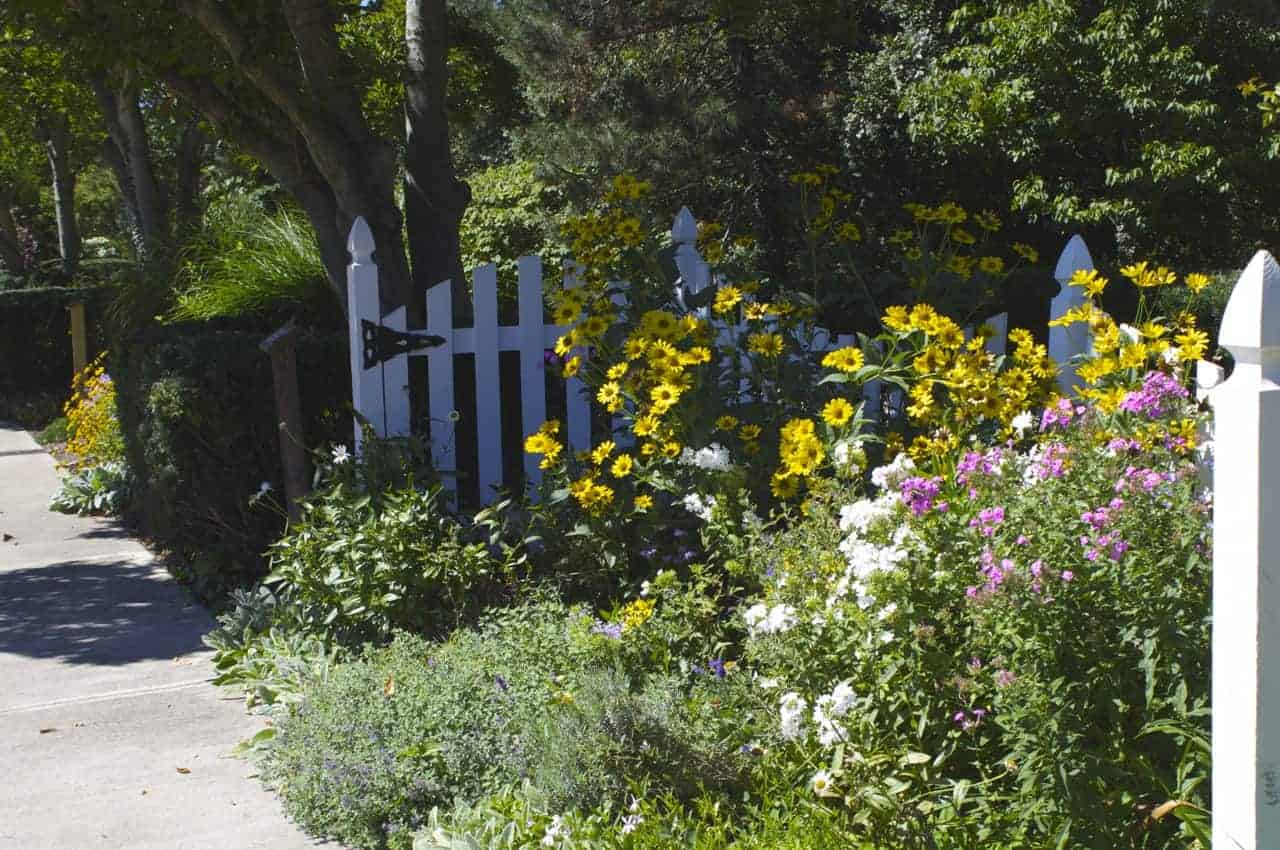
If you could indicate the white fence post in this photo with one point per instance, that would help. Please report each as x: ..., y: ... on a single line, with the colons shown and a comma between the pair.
x: 363, y: 304
x: 444, y: 456
x: 484, y: 296
x: 998, y: 342
x: 1073, y: 340
x: 1246, y: 568
x: 695, y: 273
x: 533, y: 382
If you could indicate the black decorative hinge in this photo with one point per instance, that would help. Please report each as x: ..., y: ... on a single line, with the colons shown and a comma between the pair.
x: 382, y: 343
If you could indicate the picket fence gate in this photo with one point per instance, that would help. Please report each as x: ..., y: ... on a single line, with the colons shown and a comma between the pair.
x: 380, y: 387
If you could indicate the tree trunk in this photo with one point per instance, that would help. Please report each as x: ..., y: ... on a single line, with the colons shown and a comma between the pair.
x: 131, y: 162
x: 10, y: 245
x: 190, y: 156
x: 434, y: 197
x: 55, y: 132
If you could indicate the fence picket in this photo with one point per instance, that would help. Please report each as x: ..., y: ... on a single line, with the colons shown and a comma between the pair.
x: 1073, y: 340
x: 577, y: 402
x: 395, y: 382
x: 998, y: 342
x: 363, y: 304
x: 440, y: 389
x: 484, y: 283
x: 533, y: 384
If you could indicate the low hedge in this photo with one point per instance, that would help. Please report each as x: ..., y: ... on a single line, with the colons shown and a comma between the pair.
x: 198, y: 413
x: 35, y: 347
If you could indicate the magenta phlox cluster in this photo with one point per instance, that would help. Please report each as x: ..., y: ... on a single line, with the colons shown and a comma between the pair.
x: 974, y: 464
x: 987, y: 520
x: 919, y: 494
x: 1052, y: 462
x: 1146, y: 480
x: 1100, y: 540
x: 1060, y: 414
x: 1159, y: 391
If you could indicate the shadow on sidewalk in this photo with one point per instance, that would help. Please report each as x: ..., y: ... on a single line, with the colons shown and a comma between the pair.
x: 96, y: 613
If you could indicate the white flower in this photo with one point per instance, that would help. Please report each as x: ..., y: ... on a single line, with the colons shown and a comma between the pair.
x: 1130, y: 331
x: 699, y: 506
x: 791, y: 709
x: 340, y: 454
x: 863, y: 514
x: 555, y: 832
x: 842, y: 697
x: 714, y: 457
x: 1023, y: 422
x: 821, y: 783
x: 888, y: 611
x: 781, y: 618
x: 1171, y: 355
x: 264, y: 488
x: 890, y: 476
x: 645, y: 587
x: 830, y: 730
x: 766, y: 683
x: 633, y: 820
x: 755, y: 616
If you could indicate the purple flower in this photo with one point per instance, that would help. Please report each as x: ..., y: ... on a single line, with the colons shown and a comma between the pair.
x: 1004, y: 679
x: 716, y: 666
x: 609, y: 630
x: 500, y: 683
x: 919, y: 493
x: 1067, y: 575
x: 1158, y: 390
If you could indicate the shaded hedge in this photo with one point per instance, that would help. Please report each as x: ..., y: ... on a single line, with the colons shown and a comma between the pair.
x: 198, y: 414
x: 35, y: 346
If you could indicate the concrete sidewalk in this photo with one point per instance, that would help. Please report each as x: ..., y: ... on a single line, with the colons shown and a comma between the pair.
x: 110, y: 735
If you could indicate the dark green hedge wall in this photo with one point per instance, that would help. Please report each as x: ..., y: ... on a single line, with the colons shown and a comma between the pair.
x: 35, y: 344
x: 198, y: 414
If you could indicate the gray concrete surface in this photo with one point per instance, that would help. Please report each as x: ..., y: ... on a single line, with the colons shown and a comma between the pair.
x: 110, y: 735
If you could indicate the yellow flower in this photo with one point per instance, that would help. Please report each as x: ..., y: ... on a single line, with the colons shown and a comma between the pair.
x: 629, y: 233
x: 664, y: 395
x: 643, y: 503
x: 837, y: 412
x: 565, y: 314
x: 616, y: 371
x: 726, y: 299
x: 897, y: 319
x: 564, y: 344
x: 848, y: 359
x: 609, y: 393
x: 601, y: 452
x: 635, y: 347
x: 571, y: 366
x: 767, y: 345
x: 1089, y: 280
x: 1196, y: 281
x: 1192, y: 344
x: 636, y: 613
x: 961, y: 236
x: 659, y: 324
x: 1025, y: 251
x: 645, y: 425
x: 848, y: 232
x: 913, y: 253
x: 987, y: 220
x: 991, y: 265
x: 621, y: 466
x: 663, y: 355
x: 727, y: 422
x: 671, y: 449
x: 695, y: 356
x: 784, y: 486
x: 749, y: 432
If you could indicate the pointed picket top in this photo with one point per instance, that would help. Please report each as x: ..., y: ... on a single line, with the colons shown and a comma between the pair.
x: 1251, y: 322
x: 360, y: 242
x: 1074, y: 257
x: 685, y: 228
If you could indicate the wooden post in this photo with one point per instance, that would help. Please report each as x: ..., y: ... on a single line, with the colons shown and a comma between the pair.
x: 1073, y: 340
x: 284, y: 376
x: 79, y: 342
x: 1246, y: 568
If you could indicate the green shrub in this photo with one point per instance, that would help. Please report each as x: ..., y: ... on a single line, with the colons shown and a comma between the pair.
x: 385, y: 738
x: 100, y: 489
x: 201, y: 435
x: 35, y: 349
x: 247, y: 261
x: 55, y: 432
x: 359, y: 566
x: 611, y: 737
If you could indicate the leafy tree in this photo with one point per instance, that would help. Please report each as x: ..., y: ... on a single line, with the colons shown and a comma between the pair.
x: 1120, y: 116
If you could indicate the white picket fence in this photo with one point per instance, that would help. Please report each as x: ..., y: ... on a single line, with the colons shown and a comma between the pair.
x: 380, y: 391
